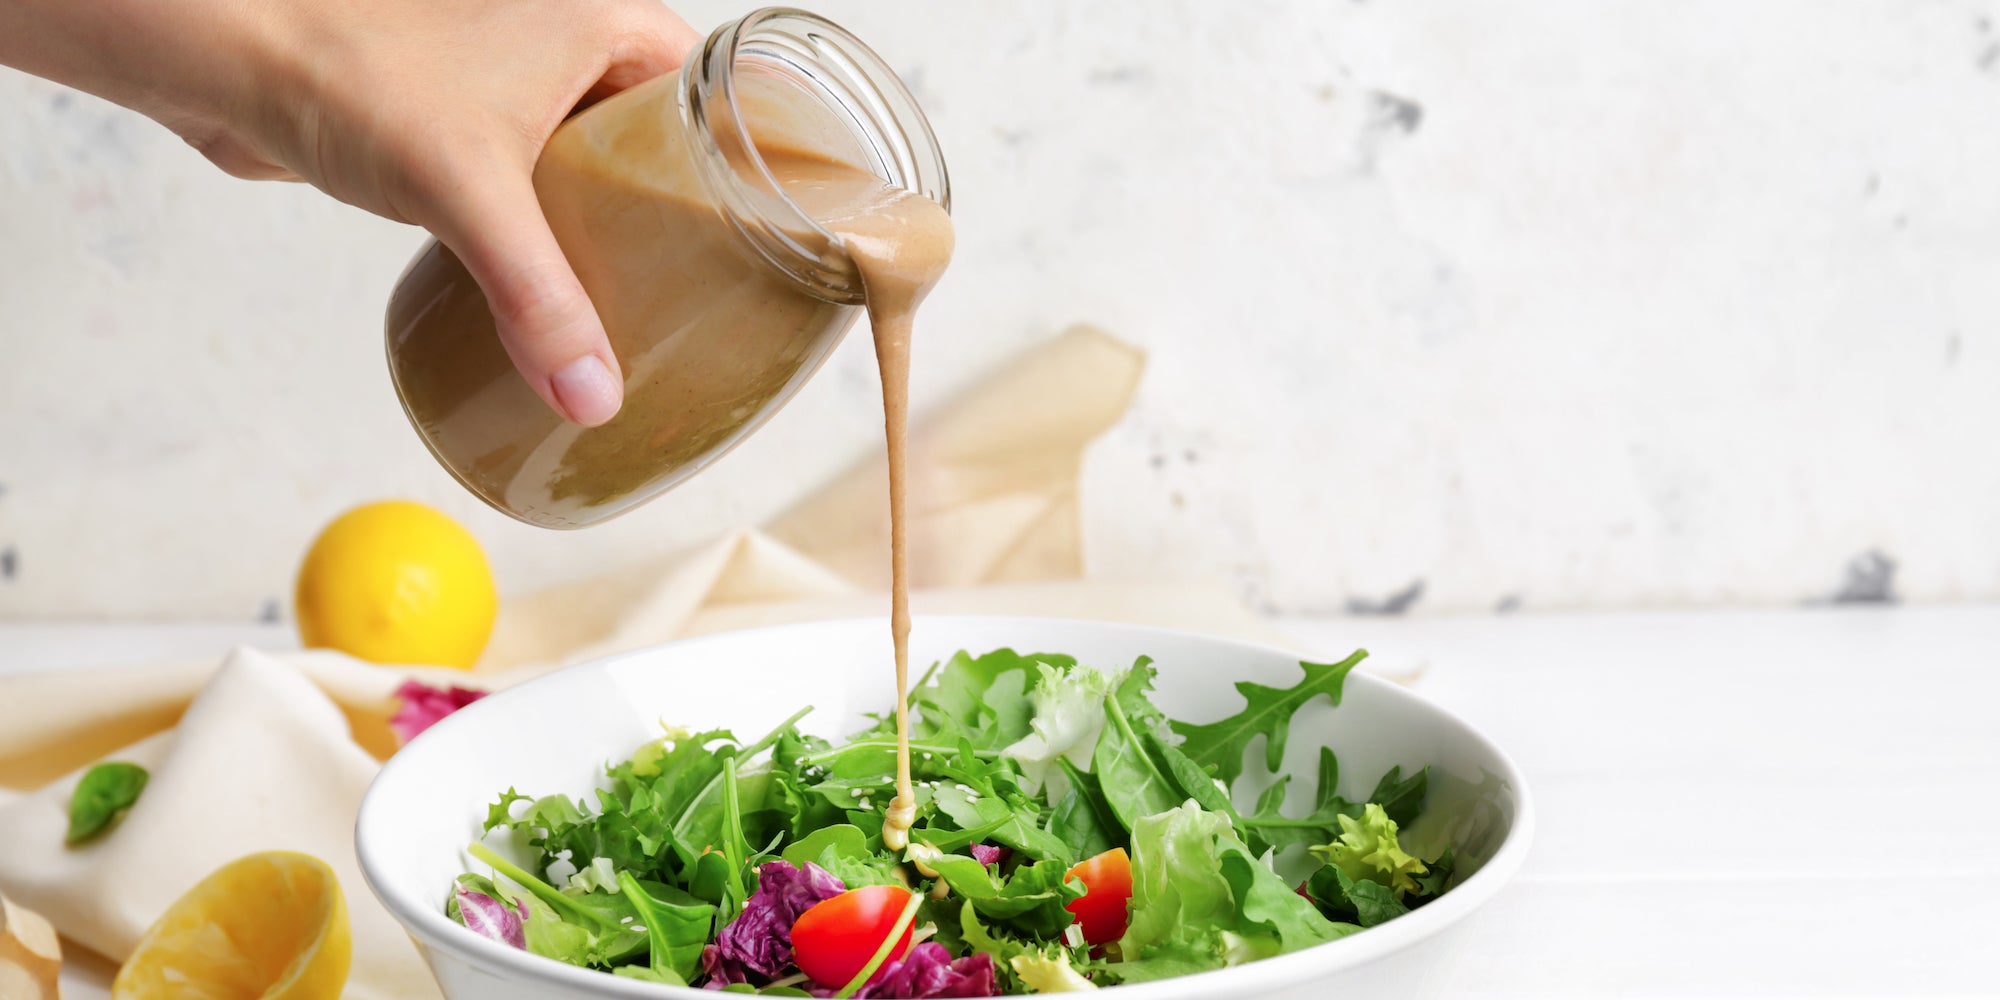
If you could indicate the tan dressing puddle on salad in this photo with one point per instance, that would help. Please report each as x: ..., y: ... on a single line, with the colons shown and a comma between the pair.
x: 900, y: 243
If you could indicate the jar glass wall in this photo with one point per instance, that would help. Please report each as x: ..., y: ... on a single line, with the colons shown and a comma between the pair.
x: 720, y: 296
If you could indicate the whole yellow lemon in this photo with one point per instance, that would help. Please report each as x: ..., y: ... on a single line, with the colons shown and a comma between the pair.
x: 397, y: 582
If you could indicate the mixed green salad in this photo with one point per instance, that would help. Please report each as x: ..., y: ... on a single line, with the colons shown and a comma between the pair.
x: 1070, y: 836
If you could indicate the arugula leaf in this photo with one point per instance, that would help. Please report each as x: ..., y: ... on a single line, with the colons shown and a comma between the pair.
x: 1267, y: 712
x: 102, y: 795
x: 497, y: 813
x: 1269, y: 828
x: 735, y: 849
x: 1402, y: 798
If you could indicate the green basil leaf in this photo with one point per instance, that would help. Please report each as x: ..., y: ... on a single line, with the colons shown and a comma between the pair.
x: 104, y: 794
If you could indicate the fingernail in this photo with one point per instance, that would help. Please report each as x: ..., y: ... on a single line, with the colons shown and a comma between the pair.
x: 587, y: 391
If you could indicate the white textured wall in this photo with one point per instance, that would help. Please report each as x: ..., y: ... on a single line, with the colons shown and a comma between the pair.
x: 1545, y: 304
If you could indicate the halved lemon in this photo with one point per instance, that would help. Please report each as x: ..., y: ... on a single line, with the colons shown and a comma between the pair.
x: 270, y: 926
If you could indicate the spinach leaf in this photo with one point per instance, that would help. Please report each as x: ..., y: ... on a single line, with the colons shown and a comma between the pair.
x: 1364, y: 901
x: 1031, y: 900
x: 1193, y: 782
x: 845, y: 852
x: 1013, y: 820
x: 1082, y: 819
x: 103, y: 795
x: 677, y: 928
x: 1131, y: 779
x: 1436, y: 876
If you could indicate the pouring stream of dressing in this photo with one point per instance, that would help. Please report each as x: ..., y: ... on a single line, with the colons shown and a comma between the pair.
x: 900, y: 243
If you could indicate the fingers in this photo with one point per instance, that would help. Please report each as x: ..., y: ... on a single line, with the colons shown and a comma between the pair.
x: 544, y: 317
x: 653, y: 40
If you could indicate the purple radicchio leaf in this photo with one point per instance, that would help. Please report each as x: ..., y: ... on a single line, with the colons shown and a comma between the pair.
x: 490, y: 918
x: 759, y: 940
x: 987, y: 854
x: 929, y: 971
x: 423, y: 705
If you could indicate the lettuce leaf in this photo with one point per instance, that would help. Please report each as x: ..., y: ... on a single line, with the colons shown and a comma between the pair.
x: 1201, y: 900
x: 1068, y: 715
x: 1368, y: 849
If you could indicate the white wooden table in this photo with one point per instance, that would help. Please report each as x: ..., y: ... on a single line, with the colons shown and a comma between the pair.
x: 1763, y: 804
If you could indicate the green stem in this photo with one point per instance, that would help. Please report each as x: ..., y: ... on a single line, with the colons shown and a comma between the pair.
x: 950, y: 842
x: 732, y: 838
x: 541, y: 890
x: 934, y: 748
x: 771, y: 737
x: 882, y: 951
x: 694, y: 804
x: 1117, y: 716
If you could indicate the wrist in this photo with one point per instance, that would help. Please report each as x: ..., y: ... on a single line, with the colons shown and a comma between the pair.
x: 189, y: 65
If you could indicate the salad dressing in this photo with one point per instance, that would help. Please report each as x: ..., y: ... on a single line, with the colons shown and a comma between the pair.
x: 900, y: 243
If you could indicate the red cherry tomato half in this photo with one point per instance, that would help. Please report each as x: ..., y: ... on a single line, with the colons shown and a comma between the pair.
x: 834, y: 939
x: 1107, y: 889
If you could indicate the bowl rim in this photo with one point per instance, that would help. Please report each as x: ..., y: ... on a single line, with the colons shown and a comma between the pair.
x: 432, y: 929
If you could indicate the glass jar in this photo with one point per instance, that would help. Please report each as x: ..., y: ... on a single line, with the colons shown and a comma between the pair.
x: 720, y: 295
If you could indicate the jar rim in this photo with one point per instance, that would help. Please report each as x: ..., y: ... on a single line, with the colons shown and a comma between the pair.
x: 849, y: 79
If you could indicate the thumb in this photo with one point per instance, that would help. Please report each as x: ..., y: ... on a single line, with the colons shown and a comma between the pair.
x: 544, y: 317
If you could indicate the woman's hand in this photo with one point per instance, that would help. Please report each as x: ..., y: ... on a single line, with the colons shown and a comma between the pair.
x: 425, y: 111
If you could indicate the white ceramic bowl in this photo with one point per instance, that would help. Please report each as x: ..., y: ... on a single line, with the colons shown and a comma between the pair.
x: 555, y: 733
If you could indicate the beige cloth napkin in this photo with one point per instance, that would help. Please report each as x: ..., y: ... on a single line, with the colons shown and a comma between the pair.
x: 273, y: 750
